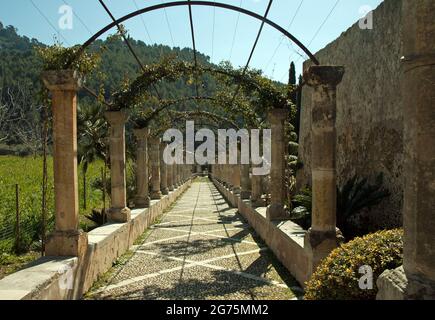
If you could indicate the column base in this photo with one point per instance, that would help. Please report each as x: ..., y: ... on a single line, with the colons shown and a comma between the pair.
x: 276, y: 211
x: 142, y: 202
x: 165, y: 191
x: 156, y: 195
x: 319, y: 244
x: 119, y: 215
x: 171, y: 188
x: 245, y: 195
x: 66, y: 243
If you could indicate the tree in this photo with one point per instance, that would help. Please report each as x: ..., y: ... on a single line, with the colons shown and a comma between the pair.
x: 292, y: 81
x: 298, y: 108
x: 92, y: 130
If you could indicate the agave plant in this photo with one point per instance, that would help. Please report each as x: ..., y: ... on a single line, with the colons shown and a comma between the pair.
x: 358, y: 194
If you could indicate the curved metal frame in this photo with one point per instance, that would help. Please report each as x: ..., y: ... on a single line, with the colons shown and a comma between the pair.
x: 166, y: 105
x: 198, y: 3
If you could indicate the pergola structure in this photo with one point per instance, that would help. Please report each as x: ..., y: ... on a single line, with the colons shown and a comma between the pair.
x: 323, y: 236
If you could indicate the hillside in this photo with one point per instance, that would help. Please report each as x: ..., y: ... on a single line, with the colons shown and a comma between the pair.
x: 20, y: 69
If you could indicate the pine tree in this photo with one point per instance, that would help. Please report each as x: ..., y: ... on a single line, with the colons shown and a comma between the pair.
x: 298, y: 107
x: 292, y: 82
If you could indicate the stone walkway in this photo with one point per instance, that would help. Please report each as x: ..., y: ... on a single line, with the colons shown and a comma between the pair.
x: 201, y: 249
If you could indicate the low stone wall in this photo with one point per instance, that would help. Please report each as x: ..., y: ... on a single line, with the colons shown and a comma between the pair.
x: 61, y: 278
x: 284, y: 238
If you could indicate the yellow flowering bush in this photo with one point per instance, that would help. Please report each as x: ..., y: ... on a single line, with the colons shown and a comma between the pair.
x: 338, y: 276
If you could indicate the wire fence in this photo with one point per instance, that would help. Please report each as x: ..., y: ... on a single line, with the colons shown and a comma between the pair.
x: 21, y: 219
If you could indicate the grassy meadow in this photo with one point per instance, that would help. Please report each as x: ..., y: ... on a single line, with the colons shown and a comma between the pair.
x: 27, y: 173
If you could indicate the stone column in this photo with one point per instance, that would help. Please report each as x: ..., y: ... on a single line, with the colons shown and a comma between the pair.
x: 142, y: 199
x: 235, y: 178
x: 170, y: 177
x: 276, y: 211
x: 245, y: 182
x: 118, y: 211
x: 228, y: 176
x: 155, y: 168
x: 418, y: 81
x: 257, y: 191
x: 67, y: 239
x: 177, y: 175
x: 163, y: 172
x: 323, y: 235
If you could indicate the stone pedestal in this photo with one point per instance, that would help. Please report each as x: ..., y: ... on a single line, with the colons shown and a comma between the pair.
x: 118, y: 211
x: 163, y: 172
x: 418, y: 79
x: 142, y: 199
x: 323, y: 235
x: 155, y: 168
x: 66, y: 240
x: 276, y: 211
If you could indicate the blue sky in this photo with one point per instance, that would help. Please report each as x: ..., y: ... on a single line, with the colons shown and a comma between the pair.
x: 306, y: 19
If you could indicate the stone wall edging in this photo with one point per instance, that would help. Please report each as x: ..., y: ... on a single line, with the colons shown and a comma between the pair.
x: 282, y: 243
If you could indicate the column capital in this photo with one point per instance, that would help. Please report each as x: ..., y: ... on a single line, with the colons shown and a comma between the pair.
x: 324, y: 75
x: 278, y: 115
x: 116, y: 117
x: 142, y: 133
x: 62, y: 80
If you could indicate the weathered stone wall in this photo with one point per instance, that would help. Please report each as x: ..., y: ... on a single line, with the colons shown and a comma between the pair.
x: 369, y: 109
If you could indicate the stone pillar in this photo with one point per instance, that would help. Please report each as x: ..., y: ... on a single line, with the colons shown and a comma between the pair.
x: 118, y: 211
x: 67, y: 239
x: 177, y: 175
x: 155, y: 168
x: 276, y: 211
x: 245, y: 182
x: 235, y: 178
x: 257, y: 191
x: 163, y: 172
x: 142, y: 199
x: 228, y: 176
x: 323, y: 235
x: 418, y: 79
x: 170, y: 176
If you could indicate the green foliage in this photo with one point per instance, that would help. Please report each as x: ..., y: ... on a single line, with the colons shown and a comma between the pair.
x: 337, y: 277
x: 358, y: 194
x: 30, y: 181
x: 302, y: 204
x: 97, y: 216
x: 57, y: 57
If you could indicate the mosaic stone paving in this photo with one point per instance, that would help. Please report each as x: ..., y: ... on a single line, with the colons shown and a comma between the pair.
x: 201, y: 249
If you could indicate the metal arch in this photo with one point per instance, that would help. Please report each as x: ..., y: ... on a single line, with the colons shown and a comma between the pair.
x: 197, y: 3
x: 169, y: 103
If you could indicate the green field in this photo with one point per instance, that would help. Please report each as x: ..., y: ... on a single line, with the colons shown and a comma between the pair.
x: 27, y: 173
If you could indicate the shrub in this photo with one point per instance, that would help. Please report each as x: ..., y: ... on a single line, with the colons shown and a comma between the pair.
x: 337, y: 277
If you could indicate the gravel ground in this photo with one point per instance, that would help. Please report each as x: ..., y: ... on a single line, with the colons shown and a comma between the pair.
x: 201, y: 249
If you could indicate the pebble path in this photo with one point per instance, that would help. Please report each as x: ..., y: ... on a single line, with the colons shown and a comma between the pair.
x: 201, y: 249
